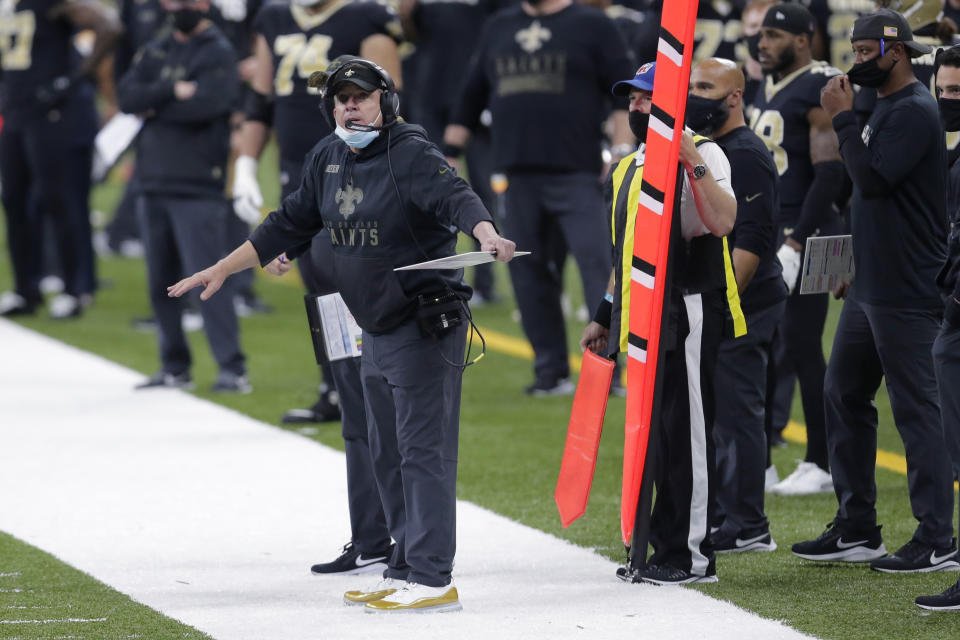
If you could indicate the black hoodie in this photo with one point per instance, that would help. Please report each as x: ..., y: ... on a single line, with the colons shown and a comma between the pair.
x: 357, y: 200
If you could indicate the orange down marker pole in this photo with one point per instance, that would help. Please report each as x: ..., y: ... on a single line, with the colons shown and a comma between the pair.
x: 652, y: 242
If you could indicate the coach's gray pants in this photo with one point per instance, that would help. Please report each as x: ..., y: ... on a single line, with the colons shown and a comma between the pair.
x: 413, y: 414
x: 741, y: 391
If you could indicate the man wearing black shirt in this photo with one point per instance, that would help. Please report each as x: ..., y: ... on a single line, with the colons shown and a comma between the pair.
x: 946, y: 348
x: 543, y: 69
x: 891, y: 316
x: 714, y: 108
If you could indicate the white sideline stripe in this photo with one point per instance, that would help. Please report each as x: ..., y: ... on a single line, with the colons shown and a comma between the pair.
x: 14, y: 574
x: 63, y: 621
x: 214, y: 519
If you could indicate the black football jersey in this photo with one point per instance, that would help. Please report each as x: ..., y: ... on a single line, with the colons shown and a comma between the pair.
x: 235, y: 19
x: 302, y: 43
x: 718, y: 30
x: 780, y: 119
x: 34, y: 50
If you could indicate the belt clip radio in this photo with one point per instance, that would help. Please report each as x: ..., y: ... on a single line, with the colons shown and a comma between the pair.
x: 438, y: 314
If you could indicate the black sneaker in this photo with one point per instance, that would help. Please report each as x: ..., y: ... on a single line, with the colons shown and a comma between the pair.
x: 228, y: 382
x: 664, y: 574
x: 948, y: 600
x: 162, y: 379
x: 836, y: 544
x: 543, y: 387
x: 757, y: 540
x: 353, y: 563
x: 918, y: 557
x: 325, y: 409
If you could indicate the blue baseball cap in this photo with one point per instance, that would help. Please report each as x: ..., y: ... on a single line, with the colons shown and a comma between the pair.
x: 643, y: 80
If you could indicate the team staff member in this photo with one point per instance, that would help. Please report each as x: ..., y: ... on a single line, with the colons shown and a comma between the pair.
x: 281, y: 99
x: 49, y: 123
x: 543, y: 68
x: 389, y: 198
x: 715, y: 108
x: 699, y: 307
x: 789, y: 119
x: 184, y: 84
x: 293, y: 40
x: 946, y: 348
x: 890, y: 319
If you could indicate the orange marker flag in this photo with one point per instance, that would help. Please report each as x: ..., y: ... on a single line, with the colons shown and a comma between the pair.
x: 583, y: 437
x: 652, y: 242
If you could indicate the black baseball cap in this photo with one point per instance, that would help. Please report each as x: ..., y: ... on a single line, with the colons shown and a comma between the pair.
x: 343, y: 69
x: 791, y: 17
x: 886, y: 24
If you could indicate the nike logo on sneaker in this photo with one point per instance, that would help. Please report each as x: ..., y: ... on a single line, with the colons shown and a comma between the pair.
x: 847, y: 545
x: 743, y: 543
x: 361, y: 563
x: 935, y: 559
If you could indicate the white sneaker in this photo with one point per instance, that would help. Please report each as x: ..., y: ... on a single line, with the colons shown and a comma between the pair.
x: 51, y: 284
x: 770, y: 478
x: 380, y: 589
x: 417, y: 598
x: 807, y: 479
x: 65, y: 306
x: 191, y: 321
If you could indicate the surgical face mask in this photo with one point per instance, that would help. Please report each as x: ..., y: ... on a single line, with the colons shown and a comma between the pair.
x: 705, y: 115
x: 638, y: 124
x: 869, y: 74
x: 186, y: 20
x: 753, y: 45
x: 357, y: 139
x: 950, y: 113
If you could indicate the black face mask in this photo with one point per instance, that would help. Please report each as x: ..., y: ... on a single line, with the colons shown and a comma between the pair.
x: 705, y: 115
x: 638, y: 124
x: 186, y: 20
x: 869, y: 74
x: 950, y: 113
x: 753, y: 45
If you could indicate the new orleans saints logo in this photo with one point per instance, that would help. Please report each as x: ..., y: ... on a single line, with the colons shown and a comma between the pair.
x: 349, y: 198
x: 532, y: 38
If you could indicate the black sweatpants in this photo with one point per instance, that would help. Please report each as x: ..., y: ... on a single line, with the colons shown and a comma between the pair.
x: 873, y: 342
x: 685, y: 465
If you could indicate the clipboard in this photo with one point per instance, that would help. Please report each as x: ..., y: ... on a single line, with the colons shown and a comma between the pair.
x: 459, y: 260
x: 333, y: 329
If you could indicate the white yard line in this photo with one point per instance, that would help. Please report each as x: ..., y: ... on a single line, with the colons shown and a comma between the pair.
x: 213, y: 518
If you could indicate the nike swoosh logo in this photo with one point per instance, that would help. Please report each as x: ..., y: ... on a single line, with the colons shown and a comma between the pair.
x: 743, y: 543
x: 847, y: 545
x: 753, y: 197
x: 444, y: 170
x: 935, y: 559
x: 361, y: 563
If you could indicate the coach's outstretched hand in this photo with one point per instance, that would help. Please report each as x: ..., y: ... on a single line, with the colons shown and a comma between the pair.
x: 211, y: 278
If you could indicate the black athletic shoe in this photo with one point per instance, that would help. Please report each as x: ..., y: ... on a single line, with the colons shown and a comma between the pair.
x: 664, y: 574
x: 228, y: 382
x: 543, y: 387
x: 325, y: 409
x: 835, y: 544
x: 353, y: 563
x: 919, y: 557
x: 948, y: 600
x: 756, y: 540
x: 162, y: 379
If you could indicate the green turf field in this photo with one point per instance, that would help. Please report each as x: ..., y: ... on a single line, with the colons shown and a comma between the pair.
x: 509, y: 458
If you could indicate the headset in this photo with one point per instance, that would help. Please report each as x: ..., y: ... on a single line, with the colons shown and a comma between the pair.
x: 334, y: 74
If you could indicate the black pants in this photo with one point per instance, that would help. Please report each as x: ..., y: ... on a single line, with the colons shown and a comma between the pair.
x: 739, y: 434
x: 46, y: 176
x: 685, y: 465
x: 538, y: 206
x: 871, y: 343
x: 413, y: 410
x: 946, y: 362
x: 182, y: 236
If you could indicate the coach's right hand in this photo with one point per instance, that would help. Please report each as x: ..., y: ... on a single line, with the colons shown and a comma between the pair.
x: 247, y: 198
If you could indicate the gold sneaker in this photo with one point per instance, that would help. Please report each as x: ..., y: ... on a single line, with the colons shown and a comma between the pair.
x: 381, y: 589
x: 417, y: 598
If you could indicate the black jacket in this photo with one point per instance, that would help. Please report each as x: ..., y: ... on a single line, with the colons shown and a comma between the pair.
x: 357, y: 198
x: 184, y: 145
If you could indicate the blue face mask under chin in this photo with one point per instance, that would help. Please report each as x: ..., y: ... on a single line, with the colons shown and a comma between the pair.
x: 357, y: 139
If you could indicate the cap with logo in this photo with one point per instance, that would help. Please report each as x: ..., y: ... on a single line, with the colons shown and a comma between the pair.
x: 790, y: 17
x: 885, y: 24
x: 642, y: 80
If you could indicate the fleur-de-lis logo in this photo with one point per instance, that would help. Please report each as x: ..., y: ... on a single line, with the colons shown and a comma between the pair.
x: 349, y: 72
x: 532, y: 38
x: 349, y: 198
